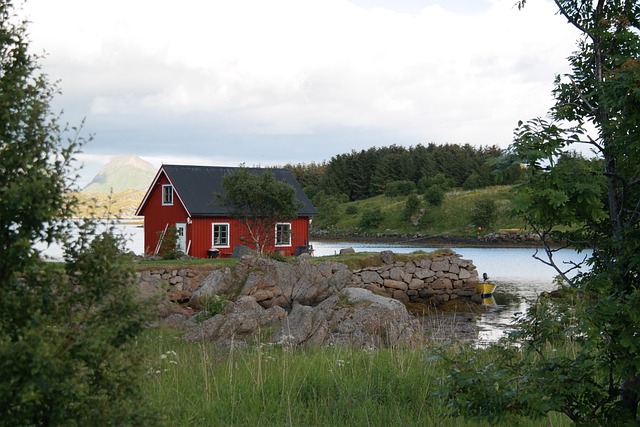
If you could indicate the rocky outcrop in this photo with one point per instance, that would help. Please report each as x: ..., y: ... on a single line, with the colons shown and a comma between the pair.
x: 304, y: 303
x: 242, y: 321
x: 354, y: 317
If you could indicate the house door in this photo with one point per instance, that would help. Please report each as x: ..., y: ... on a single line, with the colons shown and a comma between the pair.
x: 181, y: 231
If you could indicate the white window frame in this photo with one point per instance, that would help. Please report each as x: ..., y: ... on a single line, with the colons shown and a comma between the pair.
x: 283, y: 244
x: 213, y: 235
x: 165, y: 201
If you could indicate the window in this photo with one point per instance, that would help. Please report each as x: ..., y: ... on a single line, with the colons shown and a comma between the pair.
x: 220, y: 232
x: 167, y: 195
x: 283, y: 234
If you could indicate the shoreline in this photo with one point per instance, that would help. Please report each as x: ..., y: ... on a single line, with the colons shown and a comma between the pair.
x: 438, y: 241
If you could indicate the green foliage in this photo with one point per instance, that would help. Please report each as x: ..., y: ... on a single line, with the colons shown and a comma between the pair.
x: 351, y: 210
x: 272, y: 385
x: 169, y: 245
x: 366, y: 173
x: 484, y: 213
x: 399, y: 188
x: 438, y: 179
x: 593, y: 204
x: 259, y: 201
x: 209, y: 305
x: 434, y: 195
x: 371, y: 219
x: 411, y: 206
x: 473, y: 182
x: 68, y: 352
x: 451, y: 217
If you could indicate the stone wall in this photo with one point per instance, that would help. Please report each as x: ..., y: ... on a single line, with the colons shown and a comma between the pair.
x: 429, y: 279
x: 433, y: 281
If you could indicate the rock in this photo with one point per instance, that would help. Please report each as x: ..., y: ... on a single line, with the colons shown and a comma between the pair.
x: 217, y: 282
x: 180, y: 297
x: 243, y: 320
x: 369, y: 277
x: 279, y: 283
x: 356, y: 317
x: 387, y: 257
x: 241, y: 250
x: 347, y: 251
x: 396, y: 284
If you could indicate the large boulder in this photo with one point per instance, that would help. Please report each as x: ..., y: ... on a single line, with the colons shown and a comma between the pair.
x: 354, y: 317
x: 217, y: 282
x: 273, y: 283
x: 244, y: 320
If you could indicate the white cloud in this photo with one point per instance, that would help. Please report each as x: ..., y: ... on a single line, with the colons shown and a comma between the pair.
x: 213, y: 69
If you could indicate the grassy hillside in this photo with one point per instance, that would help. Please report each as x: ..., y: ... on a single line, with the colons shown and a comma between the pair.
x: 122, y: 205
x: 453, y: 217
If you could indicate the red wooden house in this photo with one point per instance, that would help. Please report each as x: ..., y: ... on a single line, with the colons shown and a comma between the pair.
x: 185, y: 197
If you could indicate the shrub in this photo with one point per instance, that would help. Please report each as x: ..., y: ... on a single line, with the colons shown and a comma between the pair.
x: 399, y: 188
x: 484, y: 213
x: 411, y: 207
x: 169, y: 243
x: 371, y: 218
x: 351, y: 210
x: 434, y: 195
x: 210, y: 305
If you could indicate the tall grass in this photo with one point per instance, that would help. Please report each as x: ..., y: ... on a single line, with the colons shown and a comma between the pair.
x: 201, y: 384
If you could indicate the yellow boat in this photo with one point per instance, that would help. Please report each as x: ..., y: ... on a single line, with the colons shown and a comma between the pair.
x: 486, y: 292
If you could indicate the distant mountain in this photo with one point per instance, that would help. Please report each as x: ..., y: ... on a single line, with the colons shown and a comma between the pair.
x: 121, y: 174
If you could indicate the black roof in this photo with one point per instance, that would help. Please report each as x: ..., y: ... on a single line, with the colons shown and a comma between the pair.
x: 197, y: 186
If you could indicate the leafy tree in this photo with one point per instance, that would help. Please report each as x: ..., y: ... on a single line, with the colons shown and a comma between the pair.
x: 371, y: 218
x: 67, y: 331
x: 434, y: 195
x: 259, y: 201
x: 411, y: 207
x: 579, y: 356
x: 484, y: 213
x: 473, y: 182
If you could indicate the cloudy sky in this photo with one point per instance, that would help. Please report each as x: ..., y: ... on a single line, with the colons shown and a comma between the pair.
x: 267, y: 82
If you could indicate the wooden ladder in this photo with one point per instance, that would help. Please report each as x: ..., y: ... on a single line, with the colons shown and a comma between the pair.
x: 160, y: 239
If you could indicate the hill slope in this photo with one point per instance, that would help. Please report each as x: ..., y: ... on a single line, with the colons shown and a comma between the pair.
x: 122, y: 174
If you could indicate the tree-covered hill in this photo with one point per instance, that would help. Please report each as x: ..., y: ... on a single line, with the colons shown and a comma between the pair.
x: 362, y: 174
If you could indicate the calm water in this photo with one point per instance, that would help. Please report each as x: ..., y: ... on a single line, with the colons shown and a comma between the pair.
x: 520, y: 277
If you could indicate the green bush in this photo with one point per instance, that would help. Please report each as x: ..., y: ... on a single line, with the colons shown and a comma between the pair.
x: 169, y: 243
x: 351, y: 210
x: 411, y: 207
x: 484, y: 213
x: 69, y: 353
x: 210, y: 305
x: 434, y: 195
x: 371, y: 218
x: 399, y: 188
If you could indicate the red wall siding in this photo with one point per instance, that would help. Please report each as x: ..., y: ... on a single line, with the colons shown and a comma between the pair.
x: 156, y: 216
x: 200, y: 234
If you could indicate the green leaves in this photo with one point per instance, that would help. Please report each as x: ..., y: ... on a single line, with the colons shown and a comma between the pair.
x: 67, y: 332
x: 259, y: 201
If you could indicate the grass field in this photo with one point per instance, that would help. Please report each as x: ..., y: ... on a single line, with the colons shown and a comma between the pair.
x: 201, y: 384
x: 452, y: 217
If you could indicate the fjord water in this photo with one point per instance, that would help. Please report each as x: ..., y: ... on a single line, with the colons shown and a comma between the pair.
x: 519, y: 277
